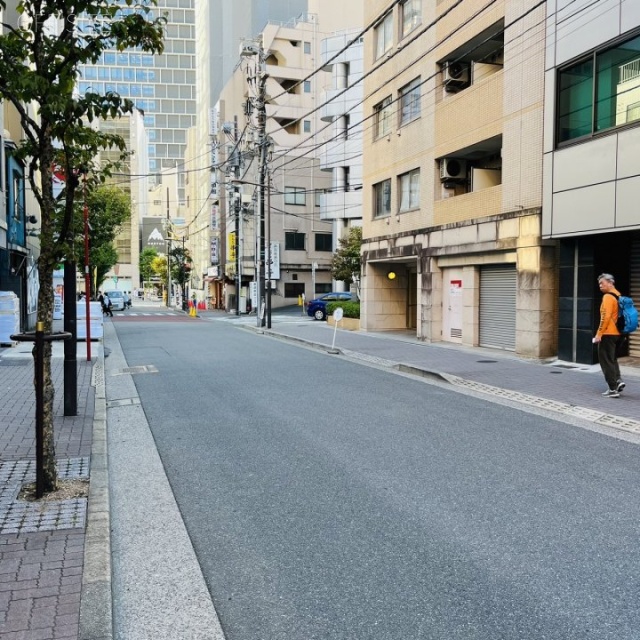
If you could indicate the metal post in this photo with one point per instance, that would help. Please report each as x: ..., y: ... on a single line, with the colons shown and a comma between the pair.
x: 87, y: 273
x: 70, y: 325
x: 39, y: 384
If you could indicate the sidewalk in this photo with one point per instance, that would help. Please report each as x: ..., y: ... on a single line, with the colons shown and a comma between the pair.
x: 42, y: 545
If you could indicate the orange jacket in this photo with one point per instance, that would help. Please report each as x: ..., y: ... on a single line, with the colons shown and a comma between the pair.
x: 608, y: 315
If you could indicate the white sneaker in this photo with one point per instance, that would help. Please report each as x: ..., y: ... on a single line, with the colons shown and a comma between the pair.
x: 620, y: 386
x: 611, y: 393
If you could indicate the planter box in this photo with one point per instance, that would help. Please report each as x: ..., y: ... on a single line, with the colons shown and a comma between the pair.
x: 349, y: 324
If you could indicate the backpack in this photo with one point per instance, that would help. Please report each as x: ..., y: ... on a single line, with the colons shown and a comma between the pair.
x: 627, y: 315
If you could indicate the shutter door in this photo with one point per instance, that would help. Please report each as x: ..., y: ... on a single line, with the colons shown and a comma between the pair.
x: 498, y: 307
x: 634, y: 292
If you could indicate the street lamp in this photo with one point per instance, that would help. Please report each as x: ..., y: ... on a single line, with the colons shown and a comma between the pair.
x: 265, y: 249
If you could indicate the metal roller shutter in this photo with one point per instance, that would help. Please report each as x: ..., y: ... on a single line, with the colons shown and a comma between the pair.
x: 498, y: 307
x: 634, y: 292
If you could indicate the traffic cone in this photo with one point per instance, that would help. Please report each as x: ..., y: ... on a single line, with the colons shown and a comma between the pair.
x: 192, y: 312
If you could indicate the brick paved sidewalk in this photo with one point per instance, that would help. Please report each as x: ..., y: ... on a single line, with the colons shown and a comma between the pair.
x: 41, y: 545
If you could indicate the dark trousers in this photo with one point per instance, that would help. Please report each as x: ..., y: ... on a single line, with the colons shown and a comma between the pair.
x: 607, y: 355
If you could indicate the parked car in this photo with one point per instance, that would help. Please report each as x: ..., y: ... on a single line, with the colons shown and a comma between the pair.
x: 117, y: 300
x: 317, y: 308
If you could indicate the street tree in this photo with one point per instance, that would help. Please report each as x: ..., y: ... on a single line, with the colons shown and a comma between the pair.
x: 145, y: 263
x: 159, y: 268
x: 346, y: 262
x: 109, y: 208
x: 40, y: 57
x: 180, y: 266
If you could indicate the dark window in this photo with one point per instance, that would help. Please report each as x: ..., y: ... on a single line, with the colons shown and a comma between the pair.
x: 382, y: 199
x: 295, y: 195
x: 294, y: 241
x: 575, y: 101
x: 613, y: 77
x: 410, y: 102
x: 383, y: 111
x: 293, y: 289
x: 324, y: 242
x: 323, y: 287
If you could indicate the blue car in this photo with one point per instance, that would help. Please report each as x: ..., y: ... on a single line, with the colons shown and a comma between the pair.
x: 317, y: 308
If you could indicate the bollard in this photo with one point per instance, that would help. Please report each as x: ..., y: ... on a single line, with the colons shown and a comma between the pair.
x: 39, y: 338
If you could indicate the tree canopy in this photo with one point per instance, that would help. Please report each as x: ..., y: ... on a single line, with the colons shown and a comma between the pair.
x: 346, y: 261
x: 42, y: 47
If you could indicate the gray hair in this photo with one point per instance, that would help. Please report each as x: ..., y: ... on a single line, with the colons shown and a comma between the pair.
x: 607, y: 276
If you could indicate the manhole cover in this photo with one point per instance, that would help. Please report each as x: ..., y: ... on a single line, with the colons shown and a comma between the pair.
x: 145, y: 368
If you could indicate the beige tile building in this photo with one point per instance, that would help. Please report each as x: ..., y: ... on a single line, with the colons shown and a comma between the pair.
x: 453, y: 175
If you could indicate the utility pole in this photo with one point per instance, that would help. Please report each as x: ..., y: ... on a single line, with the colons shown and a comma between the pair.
x: 237, y: 204
x: 261, y: 113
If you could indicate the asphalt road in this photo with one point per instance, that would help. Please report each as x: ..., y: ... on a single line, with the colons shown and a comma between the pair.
x: 328, y: 499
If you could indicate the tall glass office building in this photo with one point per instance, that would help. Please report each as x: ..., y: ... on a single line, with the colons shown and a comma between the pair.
x: 163, y: 86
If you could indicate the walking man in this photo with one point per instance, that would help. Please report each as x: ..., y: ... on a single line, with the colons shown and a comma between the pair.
x: 107, y: 305
x: 608, y: 337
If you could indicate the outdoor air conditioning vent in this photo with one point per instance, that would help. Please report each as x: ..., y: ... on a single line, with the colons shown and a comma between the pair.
x: 453, y: 169
x: 456, y: 75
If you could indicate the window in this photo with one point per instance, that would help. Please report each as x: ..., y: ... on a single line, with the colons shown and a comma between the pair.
x: 382, y: 199
x: 293, y: 289
x: 383, y: 117
x: 307, y: 86
x: 613, y: 77
x: 307, y: 47
x: 410, y: 102
x: 318, y: 197
x: 295, y: 195
x: 384, y: 35
x: 411, y: 11
x: 294, y: 241
x: 409, y: 188
x: 306, y: 126
x: 324, y: 242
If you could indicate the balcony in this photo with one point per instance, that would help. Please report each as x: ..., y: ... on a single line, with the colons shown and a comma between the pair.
x: 469, y: 116
x: 341, y: 205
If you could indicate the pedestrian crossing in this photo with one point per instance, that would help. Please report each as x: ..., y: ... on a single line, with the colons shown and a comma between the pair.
x: 154, y: 313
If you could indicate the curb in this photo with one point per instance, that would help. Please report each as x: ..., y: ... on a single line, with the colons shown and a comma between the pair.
x: 96, y: 613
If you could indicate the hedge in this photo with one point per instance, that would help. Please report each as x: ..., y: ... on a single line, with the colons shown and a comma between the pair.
x: 350, y: 309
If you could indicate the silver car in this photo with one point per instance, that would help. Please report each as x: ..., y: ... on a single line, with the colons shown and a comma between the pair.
x: 117, y: 300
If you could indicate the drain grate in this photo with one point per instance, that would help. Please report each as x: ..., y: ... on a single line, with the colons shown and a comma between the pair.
x: 487, y: 361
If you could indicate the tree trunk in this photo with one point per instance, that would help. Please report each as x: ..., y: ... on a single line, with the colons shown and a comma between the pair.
x: 46, y: 263
x: 45, y: 315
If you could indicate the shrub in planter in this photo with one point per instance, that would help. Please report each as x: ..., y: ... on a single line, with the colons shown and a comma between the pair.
x: 349, y: 309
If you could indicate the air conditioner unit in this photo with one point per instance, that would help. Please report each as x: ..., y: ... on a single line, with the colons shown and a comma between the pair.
x: 453, y: 169
x: 456, y: 75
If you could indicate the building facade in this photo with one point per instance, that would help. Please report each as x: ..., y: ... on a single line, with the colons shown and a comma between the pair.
x: 163, y: 86
x: 452, y: 243
x: 289, y: 61
x: 591, y: 160
x: 341, y: 156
